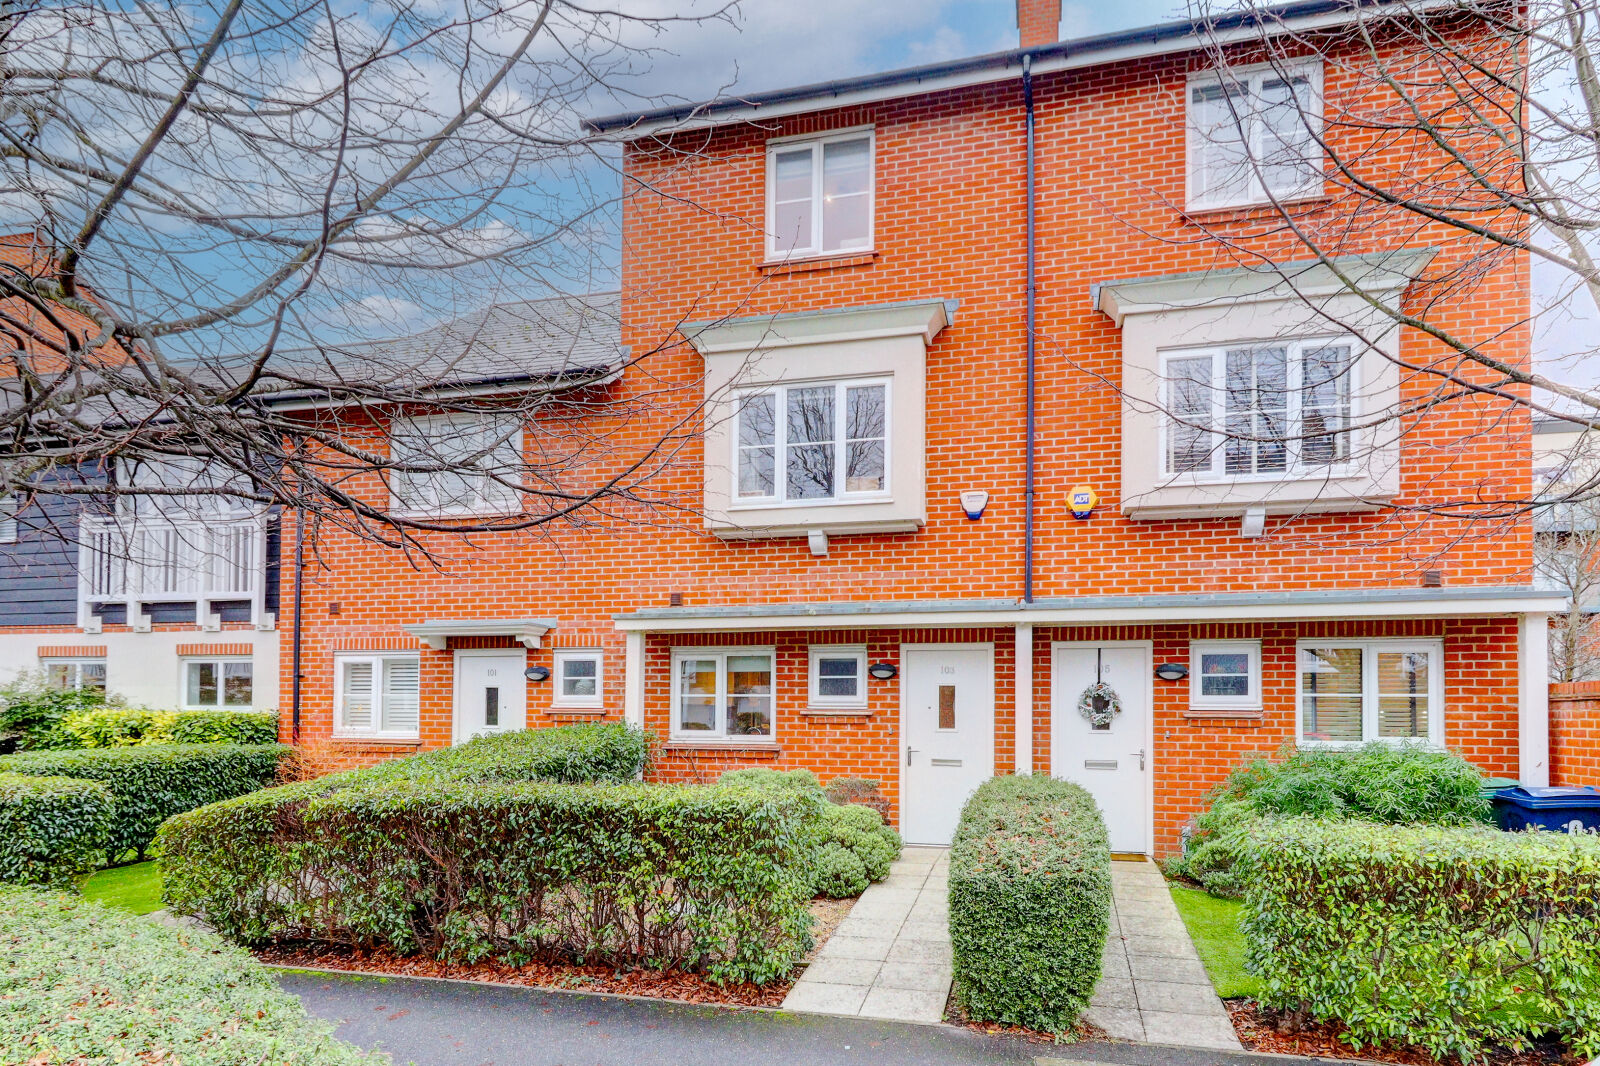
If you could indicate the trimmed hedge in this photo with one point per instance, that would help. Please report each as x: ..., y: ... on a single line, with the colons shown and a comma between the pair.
x: 110, y: 727
x: 150, y: 783
x: 53, y: 830
x: 588, y: 752
x: 1460, y: 940
x: 83, y: 983
x: 707, y: 878
x: 1030, y: 902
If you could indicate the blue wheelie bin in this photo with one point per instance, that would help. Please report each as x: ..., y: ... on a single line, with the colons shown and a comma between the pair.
x: 1563, y: 810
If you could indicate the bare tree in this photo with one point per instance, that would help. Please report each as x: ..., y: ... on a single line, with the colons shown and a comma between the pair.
x: 1567, y: 561
x: 246, y: 235
x: 1469, y: 128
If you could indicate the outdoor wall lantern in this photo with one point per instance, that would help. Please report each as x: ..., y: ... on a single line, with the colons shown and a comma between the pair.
x: 1172, y: 671
x: 883, y: 671
x: 537, y: 673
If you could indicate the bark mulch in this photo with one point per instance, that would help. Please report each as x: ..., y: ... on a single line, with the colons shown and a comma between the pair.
x: 1082, y: 1031
x: 1259, y: 1030
x: 655, y: 984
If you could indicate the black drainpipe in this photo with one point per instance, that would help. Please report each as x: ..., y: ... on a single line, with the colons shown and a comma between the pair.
x: 1027, y: 486
x: 299, y: 600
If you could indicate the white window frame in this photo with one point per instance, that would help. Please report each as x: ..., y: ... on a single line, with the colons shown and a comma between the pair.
x: 841, y: 455
x: 564, y: 656
x: 818, y: 652
x: 1294, y: 468
x: 505, y: 501
x: 8, y: 518
x: 219, y: 661
x: 1251, y: 78
x: 775, y: 254
x: 1199, y: 701
x: 375, y: 659
x: 720, y: 735
x: 1369, y: 692
x: 78, y: 663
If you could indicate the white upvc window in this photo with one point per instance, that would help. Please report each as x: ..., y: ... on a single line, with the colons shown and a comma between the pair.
x: 818, y: 442
x: 722, y: 694
x: 820, y: 195
x: 377, y: 695
x: 8, y: 519
x: 75, y: 674
x: 218, y: 683
x: 1254, y: 135
x: 838, y: 677
x: 1225, y: 675
x: 578, y: 678
x: 1271, y: 409
x: 1350, y: 692
x: 482, y: 454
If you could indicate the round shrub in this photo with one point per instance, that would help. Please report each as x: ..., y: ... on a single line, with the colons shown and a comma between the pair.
x: 840, y: 872
x: 53, y: 830
x: 860, y: 832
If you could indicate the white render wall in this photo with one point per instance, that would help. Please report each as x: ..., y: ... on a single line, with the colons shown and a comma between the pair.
x: 143, y: 668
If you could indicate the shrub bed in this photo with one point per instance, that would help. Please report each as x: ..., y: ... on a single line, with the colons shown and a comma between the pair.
x: 110, y: 727
x: 1458, y: 940
x: 150, y: 783
x: 82, y: 983
x: 853, y: 847
x: 708, y: 879
x: 53, y: 830
x: 1030, y: 902
x: 1377, y: 783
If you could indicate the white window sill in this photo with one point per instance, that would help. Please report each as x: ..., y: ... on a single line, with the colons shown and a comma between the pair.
x: 485, y: 512
x: 796, y: 258
x: 1351, y: 745
x: 1224, y: 708
x: 379, y: 738
x: 1287, y: 199
x: 835, y: 708
x: 724, y: 742
x: 575, y: 705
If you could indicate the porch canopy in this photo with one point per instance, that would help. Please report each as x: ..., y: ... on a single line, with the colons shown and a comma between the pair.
x: 436, y: 633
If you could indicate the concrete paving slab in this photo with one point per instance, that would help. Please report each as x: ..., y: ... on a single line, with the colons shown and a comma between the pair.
x: 924, y: 951
x: 918, y: 976
x: 904, y: 1005
x: 931, y: 930
x: 1169, y: 946
x: 857, y: 947
x: 820, y: 998
x: 1114, y: 992
x: 1168, y: 969
x: 1191, y: 1030
x: 1175, y: 997
x: 836, y: 970
x: 1119, y: 1023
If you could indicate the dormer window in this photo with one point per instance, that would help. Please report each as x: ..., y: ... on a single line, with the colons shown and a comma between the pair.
x: 819, y: 195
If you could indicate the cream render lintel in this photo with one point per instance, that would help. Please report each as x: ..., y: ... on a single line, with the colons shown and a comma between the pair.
x: 763, y: 332
x: 436, y: 633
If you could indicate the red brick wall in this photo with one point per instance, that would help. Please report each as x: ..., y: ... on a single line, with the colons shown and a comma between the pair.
x: 1575, y: 734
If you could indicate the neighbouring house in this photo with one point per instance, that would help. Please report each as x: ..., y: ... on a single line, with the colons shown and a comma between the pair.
x: 166, y: 605
x: 1566, y: 541
x: 866, y: 577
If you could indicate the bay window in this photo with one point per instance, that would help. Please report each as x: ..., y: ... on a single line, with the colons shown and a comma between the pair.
x: 722, y: 694
x: 1254, y: 136
x: 377, y: 696
x: 819, y: 195
x: 813, y: 443
x: 1278, y: 409
x: 1351, y: 692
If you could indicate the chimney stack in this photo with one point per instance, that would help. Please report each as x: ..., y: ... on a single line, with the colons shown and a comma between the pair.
x: 1039, y: 21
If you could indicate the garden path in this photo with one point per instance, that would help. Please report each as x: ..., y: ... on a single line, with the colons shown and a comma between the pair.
x: 890, y: 958
x: 1153, y: 986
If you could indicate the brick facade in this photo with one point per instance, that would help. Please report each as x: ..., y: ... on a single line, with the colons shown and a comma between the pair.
x: 1575, y: 734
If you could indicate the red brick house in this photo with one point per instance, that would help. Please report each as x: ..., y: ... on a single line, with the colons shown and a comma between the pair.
x: 875, y: 580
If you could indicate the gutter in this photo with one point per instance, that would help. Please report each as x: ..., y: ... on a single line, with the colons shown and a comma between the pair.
x: 1030, y: 444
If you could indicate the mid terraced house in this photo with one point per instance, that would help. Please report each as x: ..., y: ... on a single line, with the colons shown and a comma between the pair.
x: 872, y: 579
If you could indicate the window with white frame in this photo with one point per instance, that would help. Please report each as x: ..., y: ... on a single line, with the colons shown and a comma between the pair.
x: 1276, y: 409
x: 8, y: 519
x: 838, y: 677
x: 722, y: 694
x: 577, y: 678
x: 1225, y: 675
x: 819, y: 195
x: 1254, y: 135
x: 72, y: 675
x: 460, y: 463
x: 218, y: 683
x: 377, y: 695
x: 813, y: 443
x: 1351, y: 692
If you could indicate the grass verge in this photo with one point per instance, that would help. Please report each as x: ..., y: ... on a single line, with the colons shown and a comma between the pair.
x: 135, y: 887
x: 1214, y: 926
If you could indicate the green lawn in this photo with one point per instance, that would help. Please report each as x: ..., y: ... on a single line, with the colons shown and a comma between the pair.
x: 1214, y: 925
x: 135, y: 888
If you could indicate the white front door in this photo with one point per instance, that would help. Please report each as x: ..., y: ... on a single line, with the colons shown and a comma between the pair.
x: 946, y: 735
x: 491, y: 693
x: 1111, y: 761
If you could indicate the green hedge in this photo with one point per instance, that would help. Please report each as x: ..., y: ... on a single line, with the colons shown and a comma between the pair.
x: 82, y: 983
x: 1460, y: 940
x: 110, y: 727
x: 707, y: 878
x: 53, y: 830
x: 1377, y: 782
x: 150, y: 783
x: 1030, y: 902
x: 853, y: 848
x: 589, y: 752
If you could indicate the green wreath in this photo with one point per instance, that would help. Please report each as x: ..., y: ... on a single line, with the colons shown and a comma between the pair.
x: 1099, y: 704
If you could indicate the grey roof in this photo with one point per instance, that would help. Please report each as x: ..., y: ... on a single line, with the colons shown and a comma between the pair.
x: 1198, y: 602
x: 559, y: 337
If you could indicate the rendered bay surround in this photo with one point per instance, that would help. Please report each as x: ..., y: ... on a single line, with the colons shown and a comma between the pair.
x: 887, y: 342
x: 1213, y: 308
